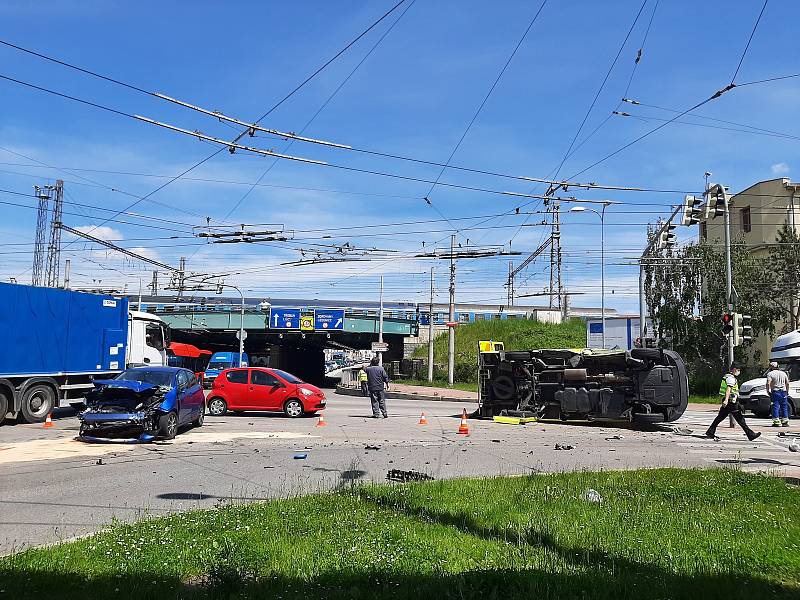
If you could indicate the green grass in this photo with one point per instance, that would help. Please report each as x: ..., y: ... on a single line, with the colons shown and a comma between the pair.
x: 704, y: 399
x: 457, y: 385
x: 516, y: 334
x: 657, y: 534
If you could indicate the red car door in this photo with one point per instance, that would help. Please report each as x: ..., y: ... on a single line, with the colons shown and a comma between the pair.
x: 235, y: 389
x: 267, y: 391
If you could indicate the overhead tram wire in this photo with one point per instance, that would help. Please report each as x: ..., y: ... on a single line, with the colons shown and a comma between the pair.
x: 274, y: 107
x: 427, y: 197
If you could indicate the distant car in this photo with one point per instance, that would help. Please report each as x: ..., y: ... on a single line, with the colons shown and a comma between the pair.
x: 146, y: 402
x: 263, y: 389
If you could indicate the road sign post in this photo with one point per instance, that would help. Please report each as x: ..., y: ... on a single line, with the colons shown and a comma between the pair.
x: 380, y: 347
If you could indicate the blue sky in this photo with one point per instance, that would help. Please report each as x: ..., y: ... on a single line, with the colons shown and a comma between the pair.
x: 412, y: 96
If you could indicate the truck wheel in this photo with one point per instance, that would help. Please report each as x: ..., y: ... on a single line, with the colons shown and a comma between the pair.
x: 37, y: 403
x: 648, y: 418
x: 168, y: 425
x: 3, y: 407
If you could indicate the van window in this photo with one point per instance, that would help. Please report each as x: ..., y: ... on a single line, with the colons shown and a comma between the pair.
x: 237, y: 376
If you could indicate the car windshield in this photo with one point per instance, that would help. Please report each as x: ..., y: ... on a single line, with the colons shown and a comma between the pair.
x: 160, y: 378
x: 287, y: 376
x: 217, y: 364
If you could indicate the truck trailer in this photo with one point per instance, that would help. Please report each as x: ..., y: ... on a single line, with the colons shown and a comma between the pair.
x: 56, y: 342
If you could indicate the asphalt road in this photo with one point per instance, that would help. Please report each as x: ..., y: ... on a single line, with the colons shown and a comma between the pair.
x: 55, y: 487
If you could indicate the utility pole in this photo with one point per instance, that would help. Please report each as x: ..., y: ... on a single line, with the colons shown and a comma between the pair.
x: 52, y: 276
x: 451, y: 333
x: 430, y: 333
x: 380, y: 324
x: 728, y: 281
x: 557, y: 244
x: 511, y: 283
x: 43, y: 194
x: 154, y: 284
x: 67, y: 264
x: 182, y: 276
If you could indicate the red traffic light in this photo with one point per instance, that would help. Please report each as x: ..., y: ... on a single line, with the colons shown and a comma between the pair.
x: 727, y: 323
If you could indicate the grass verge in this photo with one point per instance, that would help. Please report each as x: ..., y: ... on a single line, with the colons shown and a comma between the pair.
x: 663, y: 533
x: 698, y: 399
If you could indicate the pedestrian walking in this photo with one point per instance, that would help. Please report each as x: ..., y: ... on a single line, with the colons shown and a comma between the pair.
x: 362, y: 378
x: 778, y: 390
x: 729, y: 390
x: 377, y: 382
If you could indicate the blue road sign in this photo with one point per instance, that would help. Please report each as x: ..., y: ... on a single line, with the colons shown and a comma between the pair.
x: 329, y: 319
x: 284, y: 318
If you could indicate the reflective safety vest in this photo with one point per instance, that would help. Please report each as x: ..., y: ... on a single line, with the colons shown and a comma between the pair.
x: 723, y: 387
x: 362, y: 376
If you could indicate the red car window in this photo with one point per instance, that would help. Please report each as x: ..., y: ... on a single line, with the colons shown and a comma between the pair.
x: 237, y: 376
x: 264, y: 378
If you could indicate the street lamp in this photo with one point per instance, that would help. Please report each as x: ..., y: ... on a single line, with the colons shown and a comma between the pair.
x: 602, y: 215
x: 241, y: 320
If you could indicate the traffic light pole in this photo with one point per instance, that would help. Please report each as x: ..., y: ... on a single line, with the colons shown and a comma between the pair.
x: 728, y: 283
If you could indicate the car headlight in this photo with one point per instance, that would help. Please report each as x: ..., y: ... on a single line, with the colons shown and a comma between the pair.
x: 306, y: 392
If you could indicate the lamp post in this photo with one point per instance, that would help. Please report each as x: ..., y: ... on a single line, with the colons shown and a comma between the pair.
x: 602, y: 215
x: 241, y: 320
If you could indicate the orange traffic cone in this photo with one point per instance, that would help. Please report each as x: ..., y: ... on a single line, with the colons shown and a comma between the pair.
x: 48, y: 422
x: 422, y: 419
x: 321, y: 422
x: 463, y: 429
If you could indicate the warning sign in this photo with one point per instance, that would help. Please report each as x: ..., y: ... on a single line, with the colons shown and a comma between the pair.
x: 307, y: 323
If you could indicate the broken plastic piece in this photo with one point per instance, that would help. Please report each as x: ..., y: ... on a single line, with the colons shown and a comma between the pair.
x: 404, y: 476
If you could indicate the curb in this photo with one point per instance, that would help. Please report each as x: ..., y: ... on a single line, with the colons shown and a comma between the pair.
x: 346, y: 391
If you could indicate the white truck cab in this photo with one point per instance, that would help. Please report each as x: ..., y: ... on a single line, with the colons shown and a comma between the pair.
x: 753, y: 393
x: 148, y: 338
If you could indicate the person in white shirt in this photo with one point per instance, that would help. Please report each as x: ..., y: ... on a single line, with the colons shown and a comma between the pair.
x: 778, y: 390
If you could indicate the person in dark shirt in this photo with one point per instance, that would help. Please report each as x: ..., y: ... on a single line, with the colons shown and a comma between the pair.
x: 377, y: 382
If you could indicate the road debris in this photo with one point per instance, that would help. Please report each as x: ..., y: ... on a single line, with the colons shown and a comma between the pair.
x: 794, y: 447
x: 371, y: 447
x: 300, y: 456
x: 592, y: 496
x: 405, y: 476
x: 614, y: 437
x: 564, y: 447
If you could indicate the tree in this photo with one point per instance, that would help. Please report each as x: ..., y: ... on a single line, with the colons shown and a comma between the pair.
x: 783, y: 286
x: 686, y: 297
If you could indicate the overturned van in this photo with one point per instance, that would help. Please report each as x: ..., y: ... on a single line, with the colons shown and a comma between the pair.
x: 640, y: 385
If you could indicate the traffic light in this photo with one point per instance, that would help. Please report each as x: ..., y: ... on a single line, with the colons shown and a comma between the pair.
x: 718, y: 198
x: 691, y: 210
x: 666, y: 239
x: 727, y: 323
x: 742, y: 331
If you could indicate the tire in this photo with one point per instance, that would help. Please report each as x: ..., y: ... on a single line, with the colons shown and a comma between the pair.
x: 648, y: 418
x: 168, y: 425
x: 198, y: 422
x: 37, y: 402
x: 217, y: 407
x: 3, y: 407
x: 293, y: 408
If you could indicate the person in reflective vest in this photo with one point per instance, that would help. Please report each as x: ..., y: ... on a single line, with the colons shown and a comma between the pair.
x: 729, y: 390
x: 362, y: 378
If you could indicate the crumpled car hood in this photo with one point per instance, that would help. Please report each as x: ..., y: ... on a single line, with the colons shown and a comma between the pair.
x: 134, y: 386
x: 122, y: 395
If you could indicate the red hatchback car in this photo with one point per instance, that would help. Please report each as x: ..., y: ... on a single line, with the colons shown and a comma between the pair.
x: 262, y: 389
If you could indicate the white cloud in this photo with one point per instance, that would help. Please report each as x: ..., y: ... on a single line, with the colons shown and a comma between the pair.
x: 102, y: 231
x: 780, y: 168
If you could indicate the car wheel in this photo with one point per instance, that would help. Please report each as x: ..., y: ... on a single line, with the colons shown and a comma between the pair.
x: 198, y: 422
x: 293, y: 408
x: 3, y: 407
x: 37, y: 403
x: 217, y: 407
x: 168, y: 425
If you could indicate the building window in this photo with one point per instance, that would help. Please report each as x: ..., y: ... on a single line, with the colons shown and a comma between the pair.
x: 745, y: 215
x: 703, y: 230
x: 480, y: 316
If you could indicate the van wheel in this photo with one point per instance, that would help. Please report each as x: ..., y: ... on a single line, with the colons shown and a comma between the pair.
x: 217, y: 407
x: 293, y: 408
x: 168, y: 425
x: 3, y: 407
x: 37, y: 403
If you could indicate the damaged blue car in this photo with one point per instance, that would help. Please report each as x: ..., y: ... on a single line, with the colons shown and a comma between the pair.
x: 143, y: 402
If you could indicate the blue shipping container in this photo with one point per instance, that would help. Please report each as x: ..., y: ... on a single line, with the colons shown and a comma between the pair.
x: 49, y: 331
